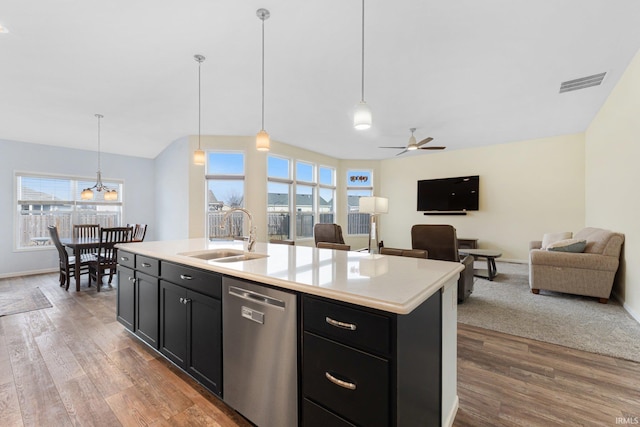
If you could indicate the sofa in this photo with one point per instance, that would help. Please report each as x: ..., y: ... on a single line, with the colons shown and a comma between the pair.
x: 589, y: 273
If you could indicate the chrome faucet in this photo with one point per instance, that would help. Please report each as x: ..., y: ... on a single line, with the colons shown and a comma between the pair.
x: 252, y: 230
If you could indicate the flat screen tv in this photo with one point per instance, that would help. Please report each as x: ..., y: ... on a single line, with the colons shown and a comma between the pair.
x: 449, y: 194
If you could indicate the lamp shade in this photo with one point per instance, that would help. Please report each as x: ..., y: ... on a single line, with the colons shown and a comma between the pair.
x: 362, y: 116
x: 374, y: 205
x: 198, y: 157
x: 262, y: 141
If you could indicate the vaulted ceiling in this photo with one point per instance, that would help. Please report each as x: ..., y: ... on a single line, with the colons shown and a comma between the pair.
x: 465, y: 72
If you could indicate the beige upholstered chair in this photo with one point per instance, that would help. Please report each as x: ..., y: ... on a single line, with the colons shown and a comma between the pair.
x: 589, y: 273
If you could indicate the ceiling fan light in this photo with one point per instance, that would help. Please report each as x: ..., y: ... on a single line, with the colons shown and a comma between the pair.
x: 362, y: 116
x: 413, y: 145
x: 198, y: 157
x: 263, y: 142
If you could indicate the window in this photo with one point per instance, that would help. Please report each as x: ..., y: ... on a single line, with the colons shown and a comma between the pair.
x: 327, y: 195
x: 279, y: 186
x: 359, y: 184
x: 44, y: 200
x: 311, y: 195
x: 225, y: 190
x: 305, y: 199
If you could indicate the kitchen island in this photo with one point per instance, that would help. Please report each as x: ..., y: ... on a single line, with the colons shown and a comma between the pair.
x: 375, y: 335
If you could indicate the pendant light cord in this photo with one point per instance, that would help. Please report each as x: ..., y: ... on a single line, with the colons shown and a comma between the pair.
x: 199, y: 104
x: 362, y: 51
x: 262, y: 74
x: 99, y: 116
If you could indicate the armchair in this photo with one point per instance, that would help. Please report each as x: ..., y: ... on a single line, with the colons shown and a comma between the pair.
x: 441, y: 242
x: 589, y: 273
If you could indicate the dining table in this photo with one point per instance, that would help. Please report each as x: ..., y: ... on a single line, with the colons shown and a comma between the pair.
x: 78, y: 245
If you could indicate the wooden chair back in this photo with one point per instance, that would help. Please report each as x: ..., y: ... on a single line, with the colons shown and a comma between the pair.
x: 86, y: 231
x: 139, y: 231
x: 282, y: 242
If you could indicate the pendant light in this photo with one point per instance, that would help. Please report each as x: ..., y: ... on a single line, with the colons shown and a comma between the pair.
x: 262, y: 138
x: 87, y: 193
x: 362, y: 115
x: 198, y: 155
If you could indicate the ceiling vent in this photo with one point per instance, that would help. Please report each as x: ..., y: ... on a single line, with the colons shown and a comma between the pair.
x: 582, y: 82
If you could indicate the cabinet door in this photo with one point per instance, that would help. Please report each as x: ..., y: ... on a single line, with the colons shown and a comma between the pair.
x: 147, y: 308
x: 204, y: 358
x: 126, y: 297
x: 173, y: 323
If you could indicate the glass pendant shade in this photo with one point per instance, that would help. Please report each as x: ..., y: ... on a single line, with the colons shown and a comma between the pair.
x: 198, y: 157
x: 263, y: 143
x: 86, y: 194
x: 362, y: 116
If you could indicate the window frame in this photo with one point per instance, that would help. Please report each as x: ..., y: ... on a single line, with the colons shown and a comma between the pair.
x: 75, y: 205
x: 237, y: 218
x: 294, y: 183
x: 365, y: 225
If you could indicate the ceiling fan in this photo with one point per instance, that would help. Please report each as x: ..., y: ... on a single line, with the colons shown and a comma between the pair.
x: 413, y: 145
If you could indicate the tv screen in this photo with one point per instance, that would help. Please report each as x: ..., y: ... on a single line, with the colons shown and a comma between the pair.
x: 449, y: 194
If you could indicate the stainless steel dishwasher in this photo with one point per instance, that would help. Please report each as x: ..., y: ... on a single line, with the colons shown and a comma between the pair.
x: 260, y: 367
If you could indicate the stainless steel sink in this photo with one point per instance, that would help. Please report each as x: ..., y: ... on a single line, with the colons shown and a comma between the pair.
x: 223, y: 255
x: 243, y: 257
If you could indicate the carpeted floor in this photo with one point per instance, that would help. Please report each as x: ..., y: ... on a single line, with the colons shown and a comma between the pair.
x: 507, y: 305
x: 13, y: 301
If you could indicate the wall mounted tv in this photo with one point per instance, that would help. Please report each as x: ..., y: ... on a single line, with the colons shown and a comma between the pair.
x: 449, y: 194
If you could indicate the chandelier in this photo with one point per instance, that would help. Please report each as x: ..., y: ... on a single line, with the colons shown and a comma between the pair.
x: 87, y: 193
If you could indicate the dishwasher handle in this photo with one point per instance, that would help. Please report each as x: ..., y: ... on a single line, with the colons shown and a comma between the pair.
x: 255, y: 297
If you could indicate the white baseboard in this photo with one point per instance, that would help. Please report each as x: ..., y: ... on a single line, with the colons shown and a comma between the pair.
x: 451, y: 416
x: 28, y: 273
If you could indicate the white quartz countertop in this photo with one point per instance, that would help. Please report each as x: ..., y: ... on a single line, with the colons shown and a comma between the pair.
x: 390, y: 283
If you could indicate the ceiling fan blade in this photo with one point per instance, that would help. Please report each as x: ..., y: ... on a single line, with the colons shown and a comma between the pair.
x: 399, y: 148
x: 432, y: 148
x: 424, y: 141
x: 402, y: 152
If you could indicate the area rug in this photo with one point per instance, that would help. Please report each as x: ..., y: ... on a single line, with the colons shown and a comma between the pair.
x: 507, y: 305
x: 13, y: 301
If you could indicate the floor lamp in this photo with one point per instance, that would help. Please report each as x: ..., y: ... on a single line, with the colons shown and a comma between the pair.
x: 373, y: 206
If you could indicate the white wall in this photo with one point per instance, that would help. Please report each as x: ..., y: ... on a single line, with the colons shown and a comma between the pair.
x: 171, y: 190
x: 139, y: 195
x: 612, y: 177
x: 527, y: 188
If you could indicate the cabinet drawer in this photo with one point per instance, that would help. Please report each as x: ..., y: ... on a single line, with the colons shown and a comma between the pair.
x: 316, y: 416
x: 150, y: 266
x: 347, y: 325
x: 205, y: 282
x: 126, y: 259
x: 353, y: 384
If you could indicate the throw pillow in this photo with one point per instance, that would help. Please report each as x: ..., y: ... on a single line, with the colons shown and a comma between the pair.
x: 568, y: 245
x: 550, y: 238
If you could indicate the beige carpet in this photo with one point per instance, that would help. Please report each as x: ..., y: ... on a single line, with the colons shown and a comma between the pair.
x: 14, y: 301
x: 507, y: 305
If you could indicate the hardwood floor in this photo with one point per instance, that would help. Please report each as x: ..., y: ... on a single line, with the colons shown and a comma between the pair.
x: 73, y: 364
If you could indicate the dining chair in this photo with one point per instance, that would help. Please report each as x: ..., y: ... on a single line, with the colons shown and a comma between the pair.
x: 86, y: 231
x: 139, y: 231
x: 68, y: 263
x: 107, y: 259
